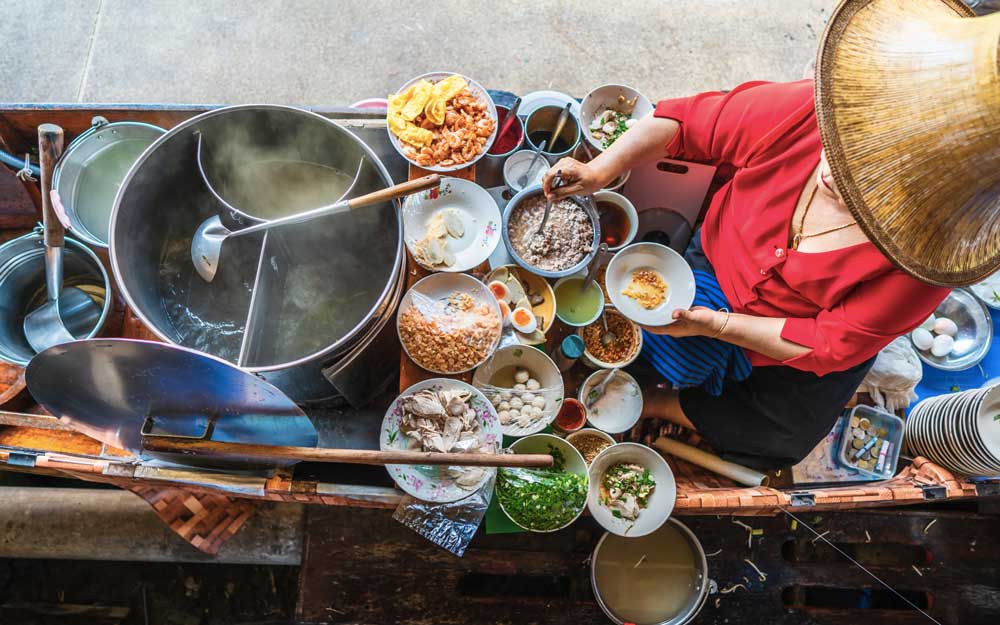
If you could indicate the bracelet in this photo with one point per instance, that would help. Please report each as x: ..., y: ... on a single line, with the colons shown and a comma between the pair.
x: 724, y: 323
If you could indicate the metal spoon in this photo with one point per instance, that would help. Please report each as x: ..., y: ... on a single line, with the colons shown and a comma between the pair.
x: 69, y: 312
x: 595, y: 264
x: 598, y: 391
x: 608, y: 337
x: 556, y: 183
x: 206, y: 246
x: 522, y: 180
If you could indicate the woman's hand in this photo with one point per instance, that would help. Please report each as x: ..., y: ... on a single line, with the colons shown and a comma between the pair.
x: 577, y: 179
x: 699, y: 321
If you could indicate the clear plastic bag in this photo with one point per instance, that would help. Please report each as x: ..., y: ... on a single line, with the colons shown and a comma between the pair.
x: 450, y: 526
x: 451, y: 334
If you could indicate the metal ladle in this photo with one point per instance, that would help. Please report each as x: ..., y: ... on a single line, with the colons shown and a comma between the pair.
x: 69, y: 312
x: 206, y: 246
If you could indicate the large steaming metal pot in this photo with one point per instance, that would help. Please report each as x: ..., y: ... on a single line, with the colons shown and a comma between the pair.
x: 288, y: 304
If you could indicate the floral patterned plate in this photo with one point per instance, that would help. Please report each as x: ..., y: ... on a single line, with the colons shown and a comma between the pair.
x: 433, y: 483
x: 472, y: 204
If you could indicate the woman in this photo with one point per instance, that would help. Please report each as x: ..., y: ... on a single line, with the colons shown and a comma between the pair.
x: 809, y: 299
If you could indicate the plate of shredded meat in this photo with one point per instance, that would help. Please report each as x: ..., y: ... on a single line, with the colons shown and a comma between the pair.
x: 444, y: 416
x: 442, y: 121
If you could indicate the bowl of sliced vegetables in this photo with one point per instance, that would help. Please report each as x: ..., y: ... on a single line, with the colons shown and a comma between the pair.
x: 544, y: 500
x: 632, y: 490
x: 608, y: 111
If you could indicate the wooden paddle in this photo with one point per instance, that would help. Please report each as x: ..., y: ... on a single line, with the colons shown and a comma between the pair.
x: 193, y: 446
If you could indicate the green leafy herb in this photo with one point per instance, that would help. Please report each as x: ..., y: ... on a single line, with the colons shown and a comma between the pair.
x: 541, y: 499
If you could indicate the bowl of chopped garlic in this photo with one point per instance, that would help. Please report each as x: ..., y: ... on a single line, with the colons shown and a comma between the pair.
x: 647, y: 282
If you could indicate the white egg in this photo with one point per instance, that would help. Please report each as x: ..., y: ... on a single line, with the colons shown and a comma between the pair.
x: 532, y: 385
x: 944, y: 325
x: 928, y: 324
x: 521, y: 376
x: 922, y: 338
x: 942, y: 346
x: 524, y: 321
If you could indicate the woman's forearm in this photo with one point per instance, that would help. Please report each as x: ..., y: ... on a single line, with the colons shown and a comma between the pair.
x: 762, y: 335
x: 644, y: 142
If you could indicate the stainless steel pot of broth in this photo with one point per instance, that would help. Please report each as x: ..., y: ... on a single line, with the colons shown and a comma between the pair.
x: 657, y: 579
x: 285, y: 304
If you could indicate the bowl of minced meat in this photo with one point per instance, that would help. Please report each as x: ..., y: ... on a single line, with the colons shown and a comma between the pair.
x: 564, y: 247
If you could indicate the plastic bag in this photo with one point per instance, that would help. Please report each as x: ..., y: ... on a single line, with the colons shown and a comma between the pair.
x: 450, y: 526
x: 896, y: 372
x: 451, y: 334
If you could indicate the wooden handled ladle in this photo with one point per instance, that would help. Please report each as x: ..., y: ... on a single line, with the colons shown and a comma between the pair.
x: 206, y: 246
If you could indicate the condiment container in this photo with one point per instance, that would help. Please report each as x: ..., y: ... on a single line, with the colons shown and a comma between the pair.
x: 490, y: 170
x: 517, y: 163
x: 871, y: 436
x: 623, y: 417
x: 568, y: 352
x: 604, y: 436
x: 571, y: 418
x: 538, y: 127
x: 593, y: 361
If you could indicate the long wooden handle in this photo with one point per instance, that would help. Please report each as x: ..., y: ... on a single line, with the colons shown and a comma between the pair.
x: 50, y: 147
x: 345, y: 456
x: 398, y: 190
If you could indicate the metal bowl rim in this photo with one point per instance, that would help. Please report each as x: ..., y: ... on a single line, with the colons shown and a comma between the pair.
x: 184, y: 126
x: 532, y: 191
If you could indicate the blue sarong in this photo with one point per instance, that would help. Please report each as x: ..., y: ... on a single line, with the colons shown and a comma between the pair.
x: 691, y: 361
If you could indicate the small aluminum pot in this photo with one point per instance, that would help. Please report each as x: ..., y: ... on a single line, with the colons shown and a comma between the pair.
x: 698, y: 596
x: 586, y: 203
x: 544, y: 119
x: 22, y: 288
x: 98, y: 147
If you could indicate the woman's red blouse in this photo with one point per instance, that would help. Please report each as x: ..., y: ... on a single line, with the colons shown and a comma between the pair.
x: 844, y: 304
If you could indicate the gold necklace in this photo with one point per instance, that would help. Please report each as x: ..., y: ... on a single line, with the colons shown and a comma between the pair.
x: 800, y: 235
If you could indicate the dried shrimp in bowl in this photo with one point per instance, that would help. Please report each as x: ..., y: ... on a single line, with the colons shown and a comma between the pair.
x: 441, y: 121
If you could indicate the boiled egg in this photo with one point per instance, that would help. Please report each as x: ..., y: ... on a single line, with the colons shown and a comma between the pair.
x: 922, y: 338
x: 523, y: 320
x: 504, y: 311
x: 944, y: 325
x: 499, y: 290
x: 943, y: 345
x: 929, y: 323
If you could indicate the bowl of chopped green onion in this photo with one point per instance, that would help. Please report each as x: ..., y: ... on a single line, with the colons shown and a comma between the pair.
x: 632, y: 490
x: 544, y: 500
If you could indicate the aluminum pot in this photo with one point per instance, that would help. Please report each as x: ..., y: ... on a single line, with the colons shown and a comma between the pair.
x: 22, y: 288
x: 286, y: 304
x: 90, y: 171
x: 698, y: 595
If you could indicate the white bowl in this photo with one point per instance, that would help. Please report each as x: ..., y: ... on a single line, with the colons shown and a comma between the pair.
x: 661, y: 501
x: 539, y: 444
x: 578, y: 277
x: 672, y: 268
x: 432, y: 482
x: 477, y: 90
x: 594, y: 362
x: 438, y: 287
x: 626, y: 205
x: 606, y: 96
x: 617, y: 421
x: 476, y: 208
x: 542, y: 369
x: 593, y: 432
x: 517, y: 163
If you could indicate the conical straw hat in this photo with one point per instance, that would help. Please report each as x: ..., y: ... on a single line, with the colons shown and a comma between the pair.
x: 908, y: 104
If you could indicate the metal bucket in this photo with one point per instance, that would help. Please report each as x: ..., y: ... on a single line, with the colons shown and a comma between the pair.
x: 286, y: 304
x: 92, y: 169
x: 22, y: 288
x: 696, y: 600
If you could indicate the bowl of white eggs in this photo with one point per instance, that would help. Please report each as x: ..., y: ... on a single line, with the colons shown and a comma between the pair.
x: 958, y: 335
